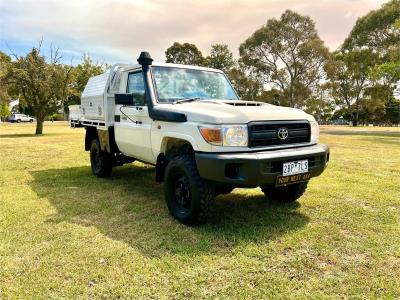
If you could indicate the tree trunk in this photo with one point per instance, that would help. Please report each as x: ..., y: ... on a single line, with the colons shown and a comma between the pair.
x: 291, y: 104
x: 354, y: 117
x: 39, y: 126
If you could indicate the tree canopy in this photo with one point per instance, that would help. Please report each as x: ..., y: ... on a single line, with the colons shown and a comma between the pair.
x: 80, y: 75
x: 288, y: 55
x: 186, y: 54
x: 5, y: 62
x: 220, y: 58
x: 379, y: 29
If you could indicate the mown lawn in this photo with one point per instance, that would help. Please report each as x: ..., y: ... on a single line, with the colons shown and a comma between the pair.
x: 66, y: 234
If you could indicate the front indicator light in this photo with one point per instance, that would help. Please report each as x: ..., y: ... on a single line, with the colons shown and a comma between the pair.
x: 211, y: 135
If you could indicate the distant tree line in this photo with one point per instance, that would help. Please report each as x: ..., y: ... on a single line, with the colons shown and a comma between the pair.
x: 284, y: 62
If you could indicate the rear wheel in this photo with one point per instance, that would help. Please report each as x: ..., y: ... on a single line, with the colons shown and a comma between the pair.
x: 189, y: 198
x: 288, y: 193
x: 18, y: 121
x: 100, y: 161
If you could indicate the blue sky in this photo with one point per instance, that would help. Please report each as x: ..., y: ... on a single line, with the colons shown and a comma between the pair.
x: 117, y: 30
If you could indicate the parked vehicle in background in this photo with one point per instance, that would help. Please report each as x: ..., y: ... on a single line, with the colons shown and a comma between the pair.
x: 18, y: 118
x: 341, y: 121
x: 189, y: 122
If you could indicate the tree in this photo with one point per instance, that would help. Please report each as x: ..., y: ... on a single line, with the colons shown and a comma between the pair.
x: 245, y: 83
x: 288, y: 55
x: 272, y: 96
x: 4, y: 111
x: 392, y: 111
x: 220, y: 58
x: 378, y: 30
x: 5, y: 63
x: 38, y: 84
x: 322, y: 106
x: 79, y: 77
x: 379, y: 33
x: 371, y: 110
x: 186, y: 54
x: 387, y: 73
x: 348, y: 72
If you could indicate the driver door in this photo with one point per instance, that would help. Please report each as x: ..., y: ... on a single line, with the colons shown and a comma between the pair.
x: 132, y: 133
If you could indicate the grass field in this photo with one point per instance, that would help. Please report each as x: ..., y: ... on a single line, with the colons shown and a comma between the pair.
x: 66, y: 234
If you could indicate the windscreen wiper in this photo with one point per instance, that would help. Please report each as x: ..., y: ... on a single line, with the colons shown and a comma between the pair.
x: 185, y: 100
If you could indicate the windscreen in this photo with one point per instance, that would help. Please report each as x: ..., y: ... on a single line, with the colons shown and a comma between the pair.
x: 172, y: 84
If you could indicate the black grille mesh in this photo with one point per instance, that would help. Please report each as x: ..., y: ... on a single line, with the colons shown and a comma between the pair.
x: 263, y: 134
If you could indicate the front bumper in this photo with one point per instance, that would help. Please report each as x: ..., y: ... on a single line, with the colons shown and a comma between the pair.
x: 258, y: 168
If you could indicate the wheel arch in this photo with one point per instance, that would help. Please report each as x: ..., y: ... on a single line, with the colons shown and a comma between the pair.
x: 91, y: 133
x: 171, y: 146
x: 105, y: 136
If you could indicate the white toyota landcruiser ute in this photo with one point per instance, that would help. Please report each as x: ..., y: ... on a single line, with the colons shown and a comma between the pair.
x: 189, y: 123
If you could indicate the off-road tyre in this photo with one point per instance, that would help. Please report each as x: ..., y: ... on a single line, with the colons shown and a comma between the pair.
x: 100, y: 161
x: 288, y: 193
x: 189, y: 198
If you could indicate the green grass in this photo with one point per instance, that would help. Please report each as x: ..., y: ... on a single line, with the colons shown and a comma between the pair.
x: 66, y: 234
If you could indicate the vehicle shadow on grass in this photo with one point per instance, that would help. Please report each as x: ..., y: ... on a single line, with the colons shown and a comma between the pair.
x: 129, y: 207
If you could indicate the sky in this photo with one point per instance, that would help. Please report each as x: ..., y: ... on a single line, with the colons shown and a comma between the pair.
x: 115, y: 31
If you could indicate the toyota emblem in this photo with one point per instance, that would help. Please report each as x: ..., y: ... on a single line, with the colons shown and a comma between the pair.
x: 282, y: 133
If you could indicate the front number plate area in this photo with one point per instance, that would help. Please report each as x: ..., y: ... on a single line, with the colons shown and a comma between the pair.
x: 293, y: 172
x: 295, y: 167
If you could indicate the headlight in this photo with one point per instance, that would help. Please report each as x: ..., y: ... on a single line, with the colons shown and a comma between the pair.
x: 225, y: 135
x: 314, y: 132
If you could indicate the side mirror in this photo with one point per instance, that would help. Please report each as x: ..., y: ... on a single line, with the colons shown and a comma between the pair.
x: 124, y: 99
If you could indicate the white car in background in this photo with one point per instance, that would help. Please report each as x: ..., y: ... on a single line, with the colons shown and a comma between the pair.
x: 18, y: 118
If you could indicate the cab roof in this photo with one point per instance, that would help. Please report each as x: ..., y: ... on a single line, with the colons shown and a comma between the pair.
x: 128, y: 67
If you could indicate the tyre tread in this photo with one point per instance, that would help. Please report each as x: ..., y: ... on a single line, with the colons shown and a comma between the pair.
x: 206, y: 190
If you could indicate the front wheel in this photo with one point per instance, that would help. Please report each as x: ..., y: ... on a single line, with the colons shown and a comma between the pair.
x: 31, y: 121
x: 288, y: 193
x: 101, y: 162
x: 18, y: 121
x: 189, y: 198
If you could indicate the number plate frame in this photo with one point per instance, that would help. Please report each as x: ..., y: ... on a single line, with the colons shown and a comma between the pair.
x: 296, y: 178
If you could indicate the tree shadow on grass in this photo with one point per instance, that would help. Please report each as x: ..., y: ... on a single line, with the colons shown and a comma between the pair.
x: 370, y: 133
x: 384, y: 140
x: 26, y: 135
x: 129, y: 207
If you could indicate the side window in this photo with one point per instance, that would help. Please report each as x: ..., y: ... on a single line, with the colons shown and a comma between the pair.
x: 136, y: 87
x: 115, y: 83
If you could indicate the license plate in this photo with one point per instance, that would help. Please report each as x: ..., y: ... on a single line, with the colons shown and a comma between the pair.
x: 295, y: 167
x: 283, y: 180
